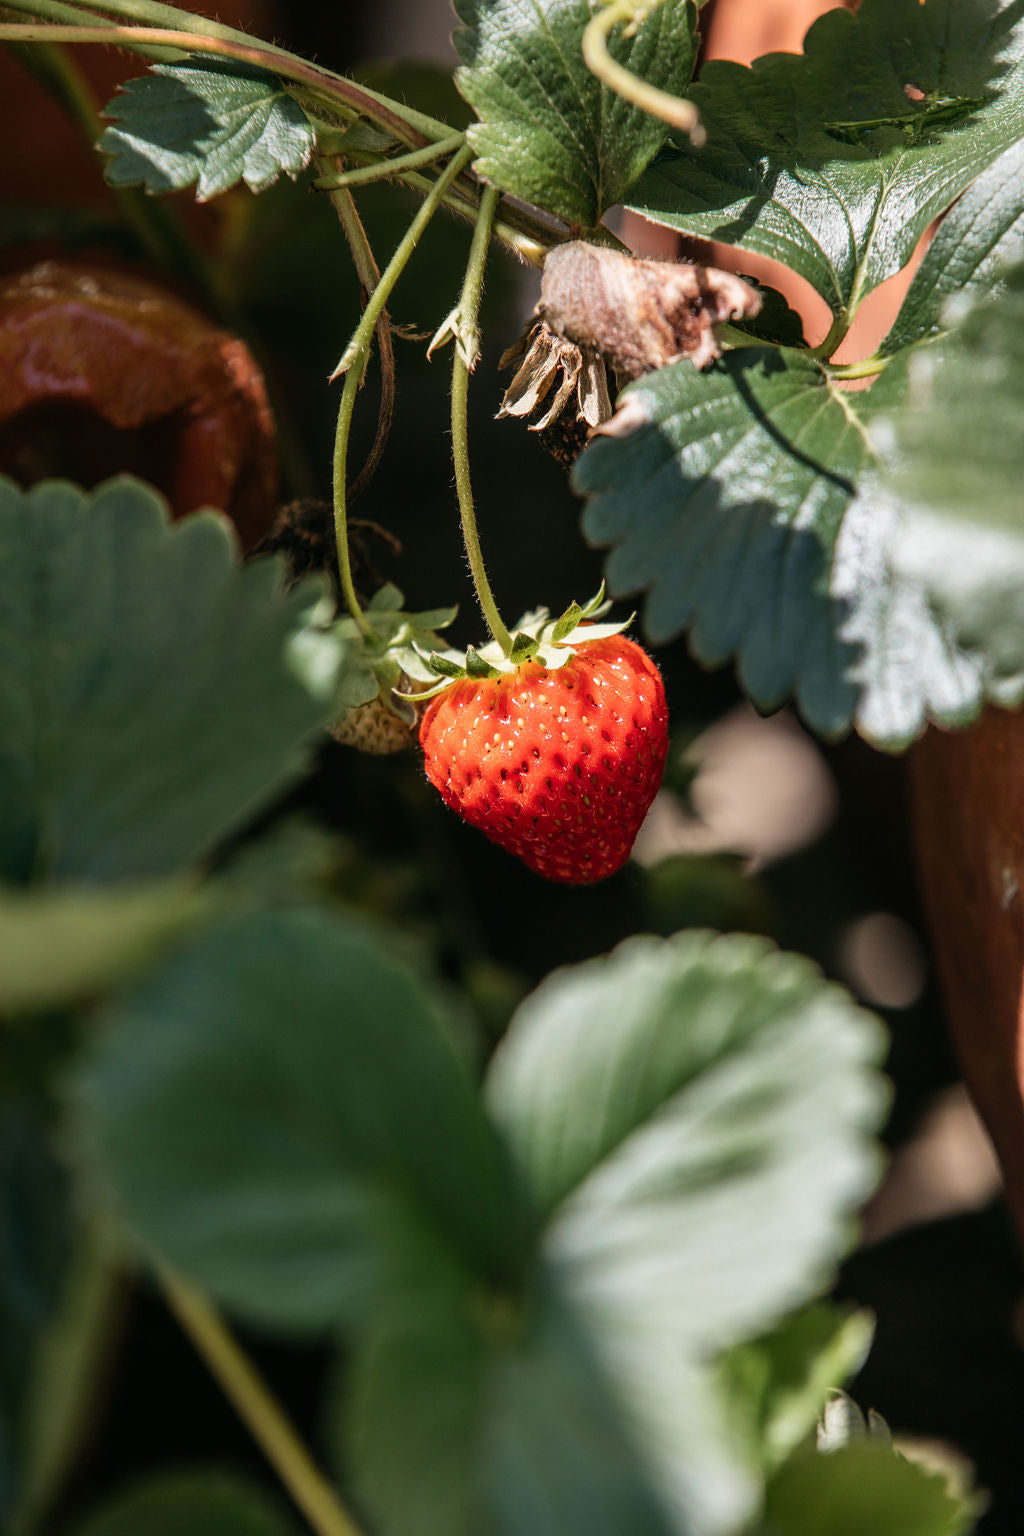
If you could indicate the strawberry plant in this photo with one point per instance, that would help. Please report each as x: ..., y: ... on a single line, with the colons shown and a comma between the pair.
x: 497, y: 1193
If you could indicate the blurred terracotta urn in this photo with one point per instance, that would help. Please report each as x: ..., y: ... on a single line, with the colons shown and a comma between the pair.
x: 103, y: 371
x: 968, y: 807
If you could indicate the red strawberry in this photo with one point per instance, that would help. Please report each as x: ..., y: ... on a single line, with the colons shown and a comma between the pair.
x: 557, y: 765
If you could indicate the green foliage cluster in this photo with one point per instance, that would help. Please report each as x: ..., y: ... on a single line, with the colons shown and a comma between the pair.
x: 578, y: 1292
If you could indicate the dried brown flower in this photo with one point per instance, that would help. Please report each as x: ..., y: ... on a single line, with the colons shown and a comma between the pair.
x: 600, y: 308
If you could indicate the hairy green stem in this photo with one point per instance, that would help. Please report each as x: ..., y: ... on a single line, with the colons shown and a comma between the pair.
x: 467, y: 347
x: 368, y: 273
x: 334, y: 88
x: 674, y: 110
x: 357, y: 352
x: 58, y: 12
x: 341, y: 436
x: 383, y: 169
x: 354, y: 362
x: 837, y: 334
x: 863, y: 370
x: 259, y: 1410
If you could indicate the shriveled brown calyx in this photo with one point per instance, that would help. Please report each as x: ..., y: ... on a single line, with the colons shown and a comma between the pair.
x: 601, y: 309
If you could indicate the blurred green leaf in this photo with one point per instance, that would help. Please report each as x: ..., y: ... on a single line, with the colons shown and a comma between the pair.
x: 153, y: 693
x: 955, y: 464
x: 744, y: 502
x: 36, y: 1241
x: 68, y: 1374
x: 781, y: 1380
x: 214, y: 123
x: 188, y: 1504
x: 278, y: 1102
x: 549, y: 131
x: 473, y: 1411
x: 695, y: 1117
x: 835, y: 161
x: 865, y: 1487
x: 60, y: 945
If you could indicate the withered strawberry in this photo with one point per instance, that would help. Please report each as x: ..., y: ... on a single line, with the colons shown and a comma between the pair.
x: 558, y: 765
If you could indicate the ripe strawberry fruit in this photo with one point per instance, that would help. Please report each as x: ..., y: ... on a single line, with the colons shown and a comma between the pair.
x: 557, y: 765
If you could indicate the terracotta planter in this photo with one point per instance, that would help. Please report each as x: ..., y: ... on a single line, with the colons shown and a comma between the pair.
x: 102, y: 371
x: 968, y: 807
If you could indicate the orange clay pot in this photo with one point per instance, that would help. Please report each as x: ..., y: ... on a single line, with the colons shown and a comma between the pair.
x: 968, y: 807
x: 102, y: 372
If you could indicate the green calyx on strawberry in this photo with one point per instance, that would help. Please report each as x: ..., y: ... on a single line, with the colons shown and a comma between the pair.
x: 377, y: 710
x: 556, y: 751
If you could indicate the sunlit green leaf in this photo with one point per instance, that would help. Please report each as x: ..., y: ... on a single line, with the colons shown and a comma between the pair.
x: 549, y: 131
x: 695, y: 1117
x: 745, y: 503
x: 781, y: 1381
x: 955, y: 462
x: 981, y: 235
x: 835, y: 161
x: 861, y: 1488
x: 216, y: 123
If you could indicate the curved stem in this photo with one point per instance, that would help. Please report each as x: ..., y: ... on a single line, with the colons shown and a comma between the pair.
x: 368, y: 273
x: 334, y: 88
x: 357, y: 351
x: 341, y: 436
x: 354, y: 362
x: 837, y: 334
x: 259, y: 1410
x: 864, y: 370
x: 674, y: 110
x: 465, y: 325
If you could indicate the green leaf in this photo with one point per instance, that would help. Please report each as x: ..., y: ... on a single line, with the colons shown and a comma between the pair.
x: 821, y: 161
x: 781, y: 1380
x: 549, y: 131
x: 276, y: 1102
x: 744, y: 502
x: 153, y: 693
x: 469, y: 1413
x: 61, y: 945
x: 694, y: 1116
x: 863, y: 1487
x: 215, y: 123
x: 68, y: 1373
x: 36, y: 1242
x: 980, y: 235
x: 189, y: 1504
x: 955, y: 463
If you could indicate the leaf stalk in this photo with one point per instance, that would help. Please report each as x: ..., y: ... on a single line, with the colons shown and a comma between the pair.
x: 256, y: 1406
x: 354, y: 361
x: 464, y: 325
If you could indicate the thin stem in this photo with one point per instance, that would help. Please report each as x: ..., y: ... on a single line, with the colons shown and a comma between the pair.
x: 467, y: 347
x: 864, y: 370
x: 381, y: 169
x: 332, y: 87
x: 155, y: 13
x: 837, y: 334
x: 259, y: 1410
x: 368, y: 273
x: 354, y: 362
x: 58, y: 12
x: 357, y: 352
x: 594, y: 43
x: 341, y: 436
